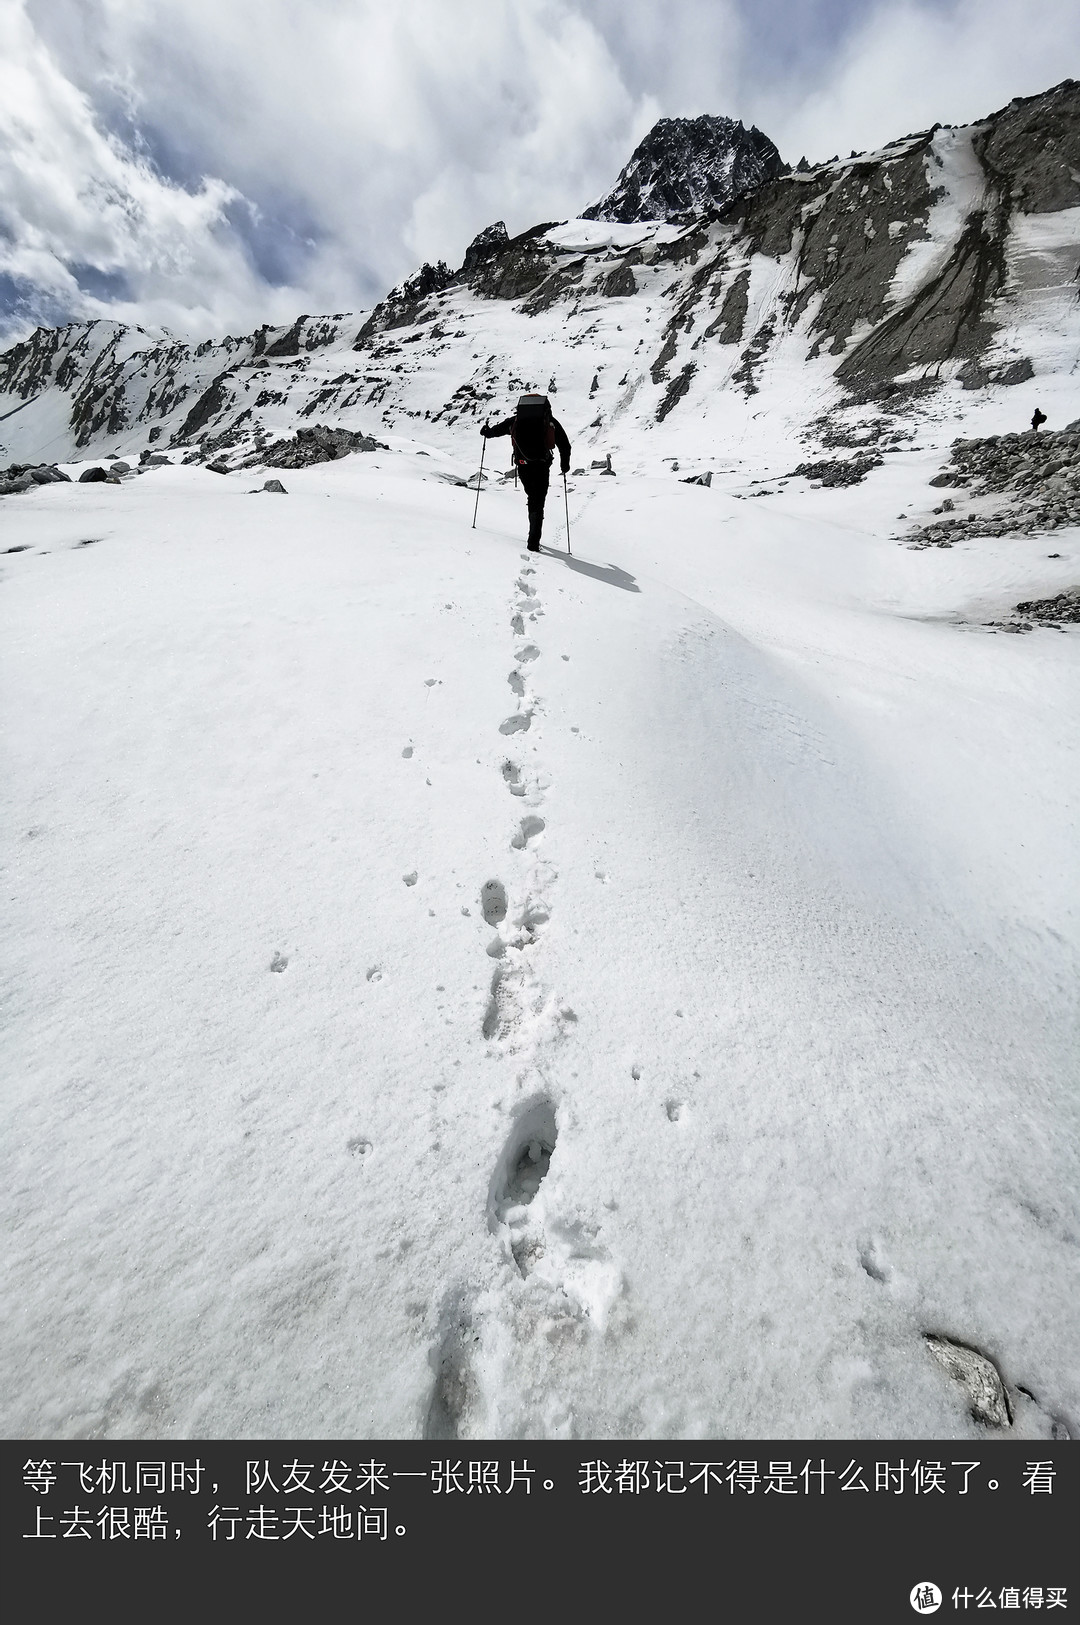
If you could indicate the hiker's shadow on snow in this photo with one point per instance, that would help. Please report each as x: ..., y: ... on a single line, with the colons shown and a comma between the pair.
x: 602, y: 572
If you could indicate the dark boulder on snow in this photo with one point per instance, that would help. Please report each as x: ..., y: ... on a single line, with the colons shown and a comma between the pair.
x: 93, y: 476
x: 275, y: 486
x: 689, y: 166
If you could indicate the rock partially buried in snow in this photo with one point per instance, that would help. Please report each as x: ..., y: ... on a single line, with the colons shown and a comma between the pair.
x: 977, y: 1375
x: 275, y: 485
x: 93, y: 476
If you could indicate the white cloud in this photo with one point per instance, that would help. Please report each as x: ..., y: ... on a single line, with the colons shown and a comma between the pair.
x: 362, y: 138
x: 72, y: 197
x: 908, y: 65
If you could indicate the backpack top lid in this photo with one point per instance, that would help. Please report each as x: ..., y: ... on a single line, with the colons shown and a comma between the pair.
x: 531, y: 408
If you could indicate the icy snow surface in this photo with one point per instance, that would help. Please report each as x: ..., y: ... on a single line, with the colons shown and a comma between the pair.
x: 595, y: 234
x: 470, y: 993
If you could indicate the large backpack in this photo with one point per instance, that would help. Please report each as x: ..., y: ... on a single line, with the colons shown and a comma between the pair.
x: 533, y: 434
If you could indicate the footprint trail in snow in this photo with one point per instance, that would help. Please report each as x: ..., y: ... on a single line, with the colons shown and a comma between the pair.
x: 556, y: 1269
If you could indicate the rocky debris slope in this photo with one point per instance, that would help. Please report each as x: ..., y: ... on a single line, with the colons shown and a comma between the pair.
x: 687, y: 167
x: 315, y: 445
x: 1038, y: 474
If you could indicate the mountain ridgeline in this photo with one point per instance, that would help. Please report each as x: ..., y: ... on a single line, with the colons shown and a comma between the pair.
x: 947, y: 258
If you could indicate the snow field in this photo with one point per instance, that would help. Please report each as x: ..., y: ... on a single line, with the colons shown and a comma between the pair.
x: 416, y: 1031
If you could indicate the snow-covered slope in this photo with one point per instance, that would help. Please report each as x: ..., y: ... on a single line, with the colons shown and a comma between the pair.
x: 714, y: 887
x: 628, y: 994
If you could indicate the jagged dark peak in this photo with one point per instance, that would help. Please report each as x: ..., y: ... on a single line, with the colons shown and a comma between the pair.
x: 688, y: 166
x: 484, y: 246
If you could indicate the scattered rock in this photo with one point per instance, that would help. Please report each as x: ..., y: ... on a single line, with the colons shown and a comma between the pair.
x: 93, y: 476
x: 276, y: 486
x: 698, y: 479
x: 1065, y: 607
x: 977, y: 1375
x: 837, y: 472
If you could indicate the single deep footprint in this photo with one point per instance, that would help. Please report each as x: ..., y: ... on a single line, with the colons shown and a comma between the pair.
x: 493, y: 902
x: 454, y: 1395
x: 512, y: 776
x: 525, y: 1160
x: 530, y: 827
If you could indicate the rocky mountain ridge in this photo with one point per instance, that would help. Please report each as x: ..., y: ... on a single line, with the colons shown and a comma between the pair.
x: 946, y: 261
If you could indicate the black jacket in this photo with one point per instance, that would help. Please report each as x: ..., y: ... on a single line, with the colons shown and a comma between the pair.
x: 507, y: 427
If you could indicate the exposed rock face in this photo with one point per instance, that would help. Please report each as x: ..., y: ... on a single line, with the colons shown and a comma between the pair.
x: 206, y: 407
x: 685, y: 167
x: 486, y: 245
x: 404, y: 304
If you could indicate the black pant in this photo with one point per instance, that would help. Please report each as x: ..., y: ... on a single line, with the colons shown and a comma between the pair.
x: 535, y: 477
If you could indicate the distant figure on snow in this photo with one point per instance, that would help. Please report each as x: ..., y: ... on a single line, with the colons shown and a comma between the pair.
x: 1037, y: 418
x: 534, y: 434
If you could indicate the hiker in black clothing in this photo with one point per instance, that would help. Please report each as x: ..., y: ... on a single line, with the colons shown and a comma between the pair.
x: 534, y: 434
x: 1037, y: 418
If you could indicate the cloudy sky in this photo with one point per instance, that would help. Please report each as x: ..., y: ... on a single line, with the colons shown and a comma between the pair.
x: 207, y: 165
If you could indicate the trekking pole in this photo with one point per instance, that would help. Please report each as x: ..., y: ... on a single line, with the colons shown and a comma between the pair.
x: 479, y: 479
x: 566, y: 500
